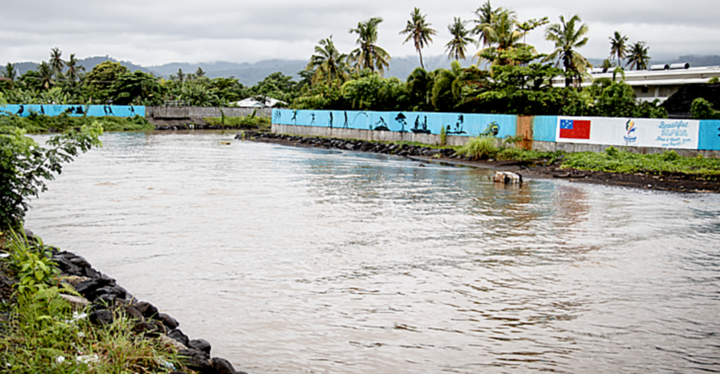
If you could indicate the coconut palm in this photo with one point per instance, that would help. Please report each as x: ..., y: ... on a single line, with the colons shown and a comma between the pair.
x: 618, y: 48
x: 56, y: 62
x: 501, y: 35
x: 10, y: 72
x: 328, y: 63
x: 484, y: 15
x: 368, y: 55
x: 419, y: 32
x: 457, y: 46
x: 568, y: 36
x: 45, y: 75
x: 638, y: 57
x: 73, y: 68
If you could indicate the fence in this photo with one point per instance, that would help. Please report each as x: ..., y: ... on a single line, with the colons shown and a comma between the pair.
x: 25, y: 110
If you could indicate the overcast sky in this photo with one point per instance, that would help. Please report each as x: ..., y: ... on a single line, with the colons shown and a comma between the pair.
x: 154, y: 32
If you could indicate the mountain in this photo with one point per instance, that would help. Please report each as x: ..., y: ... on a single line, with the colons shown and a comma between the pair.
x: 88, y: 63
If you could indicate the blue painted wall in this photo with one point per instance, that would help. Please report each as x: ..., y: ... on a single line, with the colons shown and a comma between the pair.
x: 24, y: 110
x: 709, y: 135
x: 459, y: 124
x: 544, y: 128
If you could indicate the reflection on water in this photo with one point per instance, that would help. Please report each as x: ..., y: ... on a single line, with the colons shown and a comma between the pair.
x: 306, y: 260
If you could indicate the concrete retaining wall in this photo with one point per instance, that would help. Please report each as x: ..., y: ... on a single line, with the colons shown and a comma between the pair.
x: 177, y: 112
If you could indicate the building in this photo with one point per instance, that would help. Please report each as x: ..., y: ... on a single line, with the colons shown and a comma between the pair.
x: 252, y: 103
x: 660, y: 82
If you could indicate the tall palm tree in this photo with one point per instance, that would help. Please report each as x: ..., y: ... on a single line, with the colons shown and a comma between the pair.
x: 419, y: 31
x: 56, y: 61
x: 618, y: 48
x: 368, y: 55
x: 73, y: 68
x: 45, y: 74
x: 501, y: 35
x: 10, y: 72
x: 568, y: 36
x: 328, y: 63
x: 457, y: 46
x: 638, y: 57
x: 484, y: 15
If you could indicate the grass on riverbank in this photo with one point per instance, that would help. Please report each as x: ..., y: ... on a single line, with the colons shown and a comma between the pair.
x: 38, y: 123
x: 617, y: 161
x: 246, y: 122
x: 43, y: 334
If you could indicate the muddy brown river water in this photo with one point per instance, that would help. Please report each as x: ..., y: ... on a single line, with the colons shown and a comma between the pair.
x: 292, y: 260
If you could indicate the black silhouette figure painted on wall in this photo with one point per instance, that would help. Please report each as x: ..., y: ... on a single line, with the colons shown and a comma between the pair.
x: 277, y: 115
x: 331, y: 119
x: 381, y: 125
x: 79, y: 110
x: 20, y: 110
x: 458, y: 127
x: 294, y: 117
x: 132, y: 110
x: 42, y: 110
x: 401, y: 120
x: 420, y: 128
x: 312, y: 116
x: 345, y: 125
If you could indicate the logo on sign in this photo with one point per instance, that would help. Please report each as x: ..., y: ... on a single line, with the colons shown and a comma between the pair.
x: 574, y: 129
x: 630, y: 128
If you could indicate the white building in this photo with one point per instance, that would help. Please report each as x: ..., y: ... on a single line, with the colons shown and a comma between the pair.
x: 660, y: 82
x: 252, y: 103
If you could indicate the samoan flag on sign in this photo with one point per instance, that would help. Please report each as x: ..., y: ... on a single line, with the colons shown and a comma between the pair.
x: 574, y: 129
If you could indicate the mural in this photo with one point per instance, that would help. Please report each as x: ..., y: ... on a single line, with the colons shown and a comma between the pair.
x: 458, y: 124
x: 24, y: 110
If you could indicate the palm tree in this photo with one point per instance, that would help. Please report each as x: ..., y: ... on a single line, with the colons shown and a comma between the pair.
x: 638, y: 57
x: 567, y: 38
x: 56, y: 62
x: 46, y: 73
x: 501, y: 35
x: 328, y: 63
x: 617, y: 46
x: 419, y: 31
x: 368, y: 55
x: 10, y: 72
x: 484, y: 14
x: 73, y: 68
x: 199, y: 73
x: 457, y: 46
x: 446, y: 88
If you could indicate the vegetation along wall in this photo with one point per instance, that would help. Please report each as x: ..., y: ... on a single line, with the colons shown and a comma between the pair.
x: 25, y: 110
x: 538, y: 132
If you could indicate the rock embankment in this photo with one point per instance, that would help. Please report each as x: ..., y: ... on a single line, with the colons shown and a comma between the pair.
x: 352, y: 145
x: 107, y: 300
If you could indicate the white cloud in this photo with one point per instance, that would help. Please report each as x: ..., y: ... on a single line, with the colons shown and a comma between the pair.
x: 156, y: 32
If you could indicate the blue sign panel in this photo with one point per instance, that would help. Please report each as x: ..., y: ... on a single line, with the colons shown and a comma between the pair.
x: 544, y: 128
x: 709, y: 137
x: 24, y: 110
x: 458, y: 124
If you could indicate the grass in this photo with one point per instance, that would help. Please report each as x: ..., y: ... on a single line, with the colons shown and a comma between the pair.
x: 479, y: 148
x: 45, y: 335
x: 38, y: 123
x: 250, y: 121
x: 617, y: 161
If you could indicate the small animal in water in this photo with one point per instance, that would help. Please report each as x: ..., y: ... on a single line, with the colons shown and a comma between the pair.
x: 225, y: 143
x: 507, y: 177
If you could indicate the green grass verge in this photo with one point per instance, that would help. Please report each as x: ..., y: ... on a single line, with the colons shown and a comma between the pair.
x: 617, y: 161
x: 42, y: 123
x: 43, y: 333
x: 260, y: 123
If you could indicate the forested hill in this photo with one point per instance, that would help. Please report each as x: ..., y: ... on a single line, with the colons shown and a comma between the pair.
x: 251, y: 73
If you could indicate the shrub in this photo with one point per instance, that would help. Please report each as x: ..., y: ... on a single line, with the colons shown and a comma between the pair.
x: 703, y: 109
x: 479, y: 148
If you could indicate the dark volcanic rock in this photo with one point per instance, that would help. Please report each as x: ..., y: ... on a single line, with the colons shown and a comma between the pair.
x: 169, y: 322
x: 196, y: 360
x: 146, y: 309
x: 179, y: 336
x: 200, y: 344
x: 222, y: 366
x: 101, y: 317
x: 133, y: 313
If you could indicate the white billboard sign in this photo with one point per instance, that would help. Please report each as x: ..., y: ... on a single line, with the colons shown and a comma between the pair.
x: 636, y: 132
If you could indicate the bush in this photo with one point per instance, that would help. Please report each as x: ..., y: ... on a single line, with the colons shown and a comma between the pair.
x: 479, y: 148
x: 703, y: 109
x: 25, y: 165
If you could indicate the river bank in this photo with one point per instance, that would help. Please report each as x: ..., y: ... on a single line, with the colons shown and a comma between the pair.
x: 537, y: 169
x: 107, y: 306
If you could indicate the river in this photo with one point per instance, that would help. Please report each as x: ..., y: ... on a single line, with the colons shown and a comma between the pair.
x: 293, y: 260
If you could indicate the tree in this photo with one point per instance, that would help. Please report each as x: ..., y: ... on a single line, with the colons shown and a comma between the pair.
x: 10, y: 72
x: 419, y: 31
x: 368, y: 55
x: 618, y: 48
x: 328, y: 64
x: 199, y: 73
x: 501, y: 35
x: 101, y: 78
x: 446, y: 91
x: 73, y: 68
x: 531, y: 25
x: 638, y: 57
x: 419, y: 86
x: 56, y: 62
x: 25, y: 166
x: 136, y: 88
x: 46, y: 75
x: 567, y: 38
x: 484, y: 15
x: 457, y: 46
